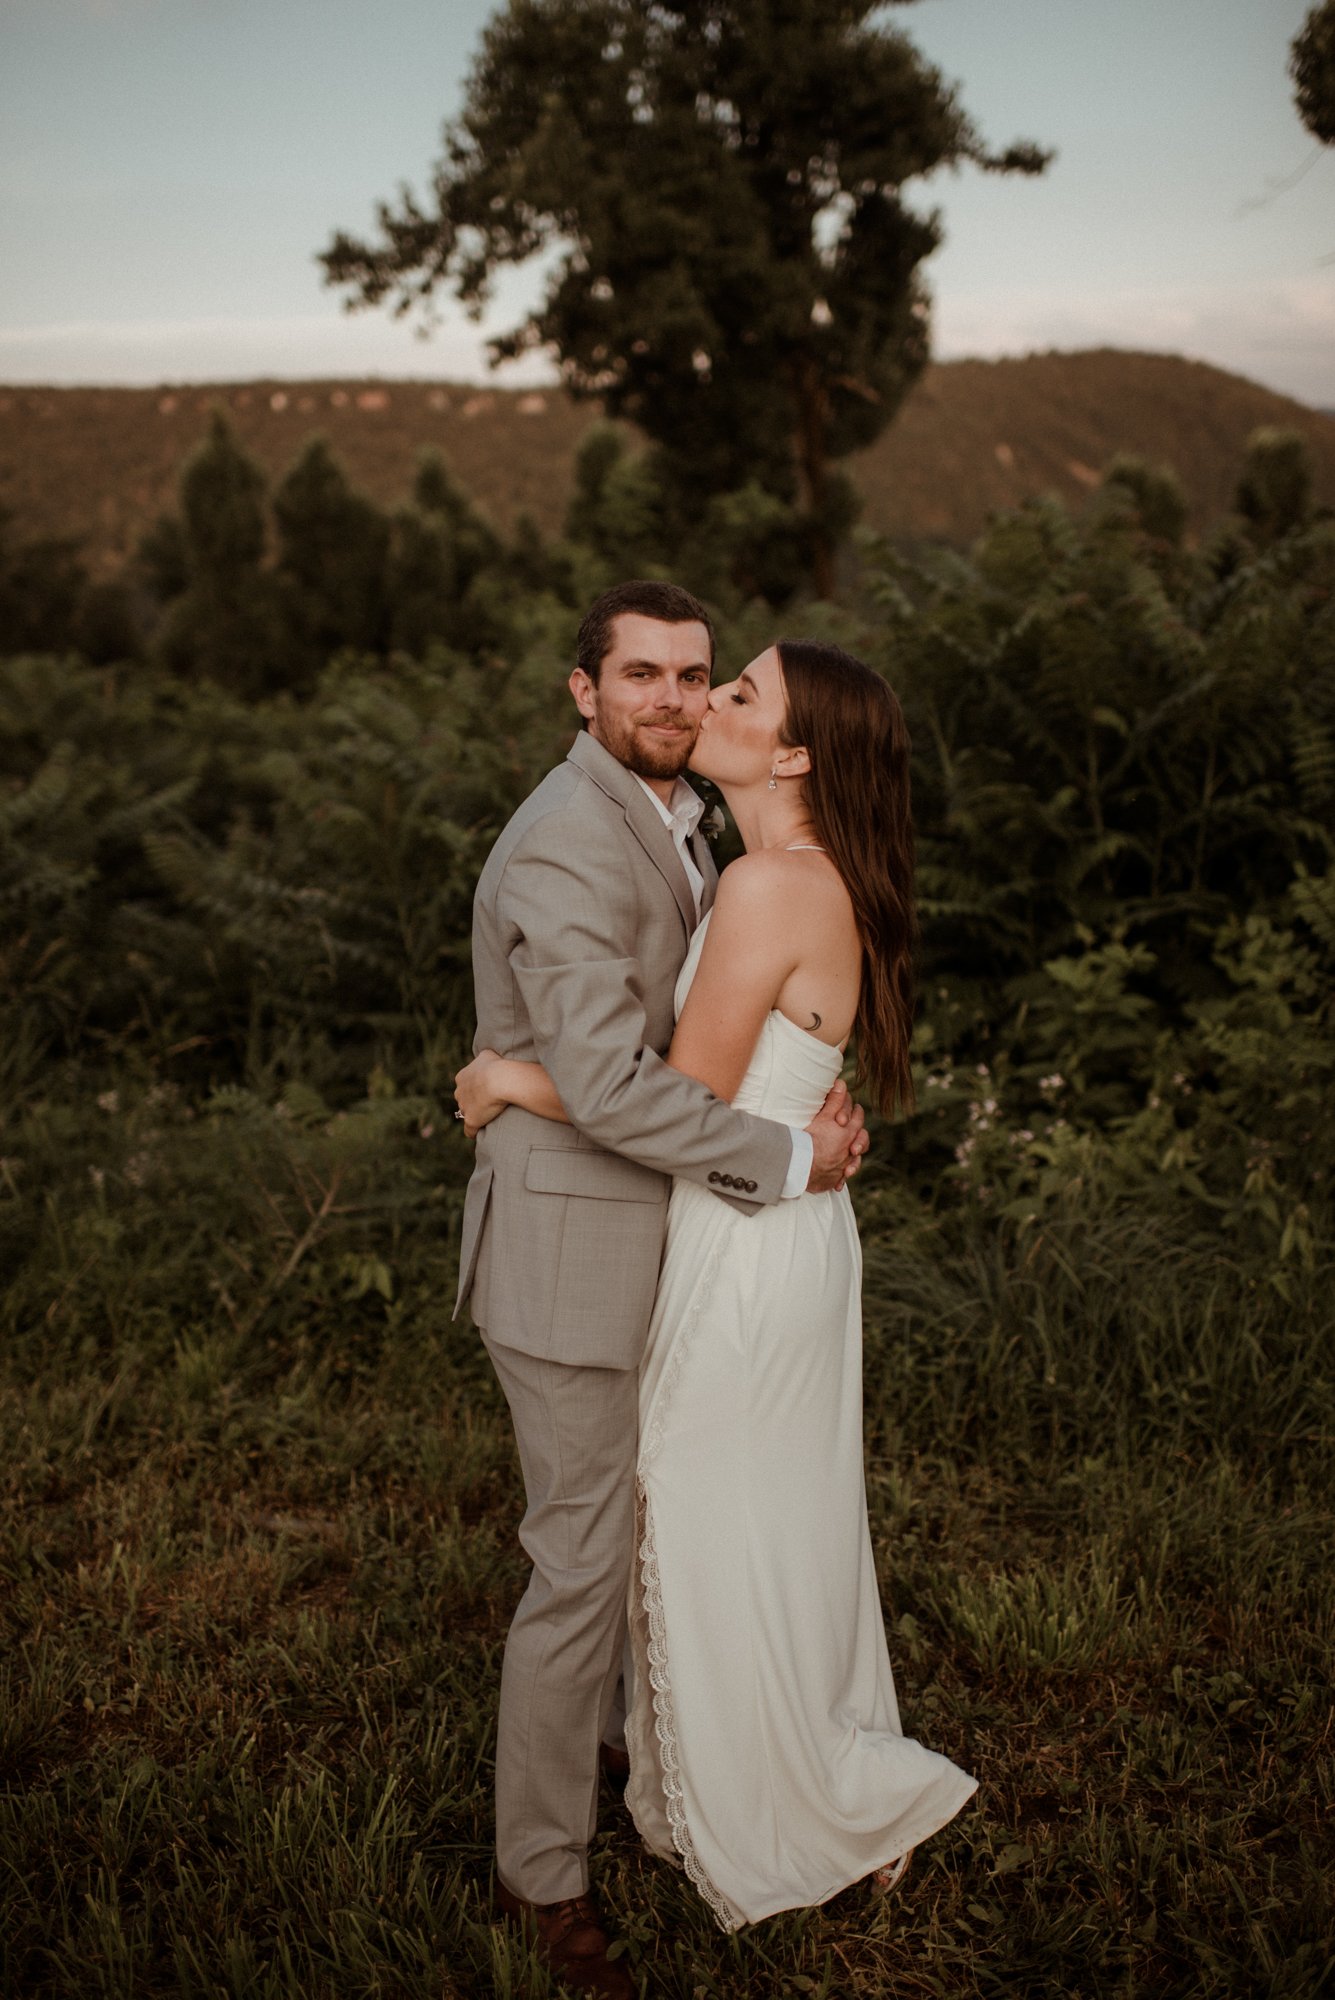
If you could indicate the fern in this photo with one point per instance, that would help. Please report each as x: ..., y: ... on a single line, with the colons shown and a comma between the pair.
x: 1313, y: 898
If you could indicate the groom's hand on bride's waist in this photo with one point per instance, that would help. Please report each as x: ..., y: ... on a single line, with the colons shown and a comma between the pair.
x: 838, y: 1141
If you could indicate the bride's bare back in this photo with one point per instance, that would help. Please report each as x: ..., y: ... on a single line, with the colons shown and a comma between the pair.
x: 783, y: 935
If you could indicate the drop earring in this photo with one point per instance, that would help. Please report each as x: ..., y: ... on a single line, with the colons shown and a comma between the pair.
x: 773, y: 779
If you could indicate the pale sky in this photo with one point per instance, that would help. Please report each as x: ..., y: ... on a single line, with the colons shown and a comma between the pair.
x: 169, y: 168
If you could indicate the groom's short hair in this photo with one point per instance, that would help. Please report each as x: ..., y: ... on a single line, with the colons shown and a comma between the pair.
x: 648, y: 599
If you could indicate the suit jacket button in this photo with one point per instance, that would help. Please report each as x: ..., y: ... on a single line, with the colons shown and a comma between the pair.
x: 750, y: 1187
x: 714, y: 1179
x: 727, y: 1180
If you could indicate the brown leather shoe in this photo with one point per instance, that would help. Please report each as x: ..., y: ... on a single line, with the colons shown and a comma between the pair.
x: 570, y: 1941
x: 614, y: 1765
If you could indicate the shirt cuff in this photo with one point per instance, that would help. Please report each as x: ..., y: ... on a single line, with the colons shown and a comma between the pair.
x: 799, y: 1167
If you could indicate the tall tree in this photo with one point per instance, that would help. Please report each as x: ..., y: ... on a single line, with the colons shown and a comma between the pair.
x: 739, y: 271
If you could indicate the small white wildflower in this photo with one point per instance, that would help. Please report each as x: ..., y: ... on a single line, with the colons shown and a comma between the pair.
x: 1152, y: 1102
x: 138, y: 1168
x: 425, y: 1131
x: 1024, y: 1136
x: 989, y: 1105
x: 982, y: 1070
x: 97, y: 1175
x: 109, y: 1101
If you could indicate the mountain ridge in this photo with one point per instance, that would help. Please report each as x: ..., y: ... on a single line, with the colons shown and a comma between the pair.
x: 98, y: 464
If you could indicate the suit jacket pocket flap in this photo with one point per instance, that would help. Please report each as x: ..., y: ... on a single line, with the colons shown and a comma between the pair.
x: 601, y: 1175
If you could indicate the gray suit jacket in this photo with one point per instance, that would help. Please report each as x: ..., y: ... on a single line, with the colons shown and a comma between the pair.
x: 581, y: 922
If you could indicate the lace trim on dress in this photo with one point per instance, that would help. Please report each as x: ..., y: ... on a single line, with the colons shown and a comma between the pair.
x: 665, y: 1725
x: 651, y: 1596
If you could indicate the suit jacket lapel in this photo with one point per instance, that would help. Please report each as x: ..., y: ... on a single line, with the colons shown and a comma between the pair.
x: 621, y: 785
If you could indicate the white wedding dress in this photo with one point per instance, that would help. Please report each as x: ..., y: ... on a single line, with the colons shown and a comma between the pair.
x: 764, y: 1736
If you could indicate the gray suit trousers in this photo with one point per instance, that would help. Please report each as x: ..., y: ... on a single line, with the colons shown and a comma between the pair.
x: 577, y: 1432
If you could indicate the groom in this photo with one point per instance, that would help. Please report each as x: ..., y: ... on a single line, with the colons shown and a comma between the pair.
x: 581, y: 921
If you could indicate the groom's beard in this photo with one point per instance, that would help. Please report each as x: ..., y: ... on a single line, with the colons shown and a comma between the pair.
x: 648, y: 756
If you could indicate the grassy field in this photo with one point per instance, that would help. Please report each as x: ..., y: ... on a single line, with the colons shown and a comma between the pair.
x: 257, y: 1558
x: 973, y: 437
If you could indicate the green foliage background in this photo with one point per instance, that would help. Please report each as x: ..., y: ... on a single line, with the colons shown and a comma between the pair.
x: 258, y: 1555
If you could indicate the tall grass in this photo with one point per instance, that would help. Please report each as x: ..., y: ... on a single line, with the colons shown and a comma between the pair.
x: 258, y: 1558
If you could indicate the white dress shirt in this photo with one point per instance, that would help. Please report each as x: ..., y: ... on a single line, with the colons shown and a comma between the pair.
x: 682, y: 815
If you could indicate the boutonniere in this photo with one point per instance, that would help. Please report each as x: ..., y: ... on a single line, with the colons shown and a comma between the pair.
x: 712, y: 824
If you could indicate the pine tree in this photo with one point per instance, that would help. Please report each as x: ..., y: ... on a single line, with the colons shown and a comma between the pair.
x: 616, y: 505
x: 224, y: 625
x: 163, y: 559
x: 1154, y: 492
x: 333, y: 547
x: 445, y: 579
x: 41, y: 584
x: 1275, y: 491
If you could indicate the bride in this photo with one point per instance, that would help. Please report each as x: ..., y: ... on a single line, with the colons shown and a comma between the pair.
x: 764, y: 1733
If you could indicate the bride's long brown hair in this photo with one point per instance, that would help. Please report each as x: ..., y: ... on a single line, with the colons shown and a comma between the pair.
x: 857, y: 793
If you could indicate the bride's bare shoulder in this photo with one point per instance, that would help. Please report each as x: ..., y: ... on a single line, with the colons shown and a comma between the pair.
x: 781, y: 878
x: 751, y: 875
x: 756, y: 886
